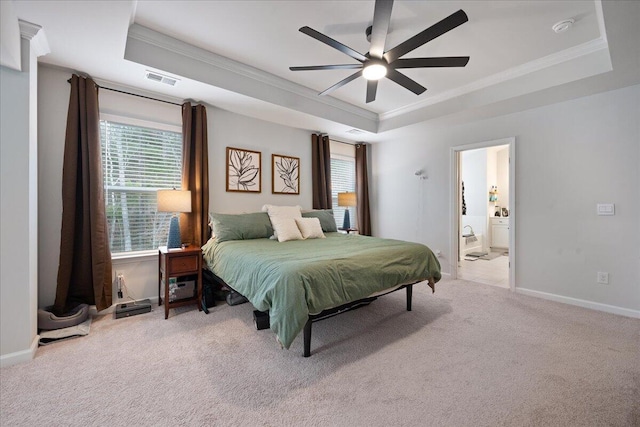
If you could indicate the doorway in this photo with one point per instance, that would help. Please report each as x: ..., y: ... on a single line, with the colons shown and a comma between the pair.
x: 483, y: 214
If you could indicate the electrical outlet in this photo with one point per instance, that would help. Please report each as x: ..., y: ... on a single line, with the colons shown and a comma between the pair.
x: 603, y: 278
x: 438, y: 253
x: 119, y: 283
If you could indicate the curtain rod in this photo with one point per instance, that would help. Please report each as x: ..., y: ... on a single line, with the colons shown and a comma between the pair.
x: 141, y: 96
x: 134, y: 94
x: 343, y: 142
x: 348, y: 143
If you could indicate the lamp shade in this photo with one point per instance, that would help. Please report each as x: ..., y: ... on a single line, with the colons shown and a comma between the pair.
x: 174, y: 201
x: 347, y: 199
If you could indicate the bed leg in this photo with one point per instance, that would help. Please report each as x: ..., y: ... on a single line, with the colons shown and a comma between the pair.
x: 307, y: 338
x: 409, y: 294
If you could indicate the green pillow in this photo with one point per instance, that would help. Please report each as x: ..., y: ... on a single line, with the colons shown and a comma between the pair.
x: 327, y: 221
x: 241, y: 226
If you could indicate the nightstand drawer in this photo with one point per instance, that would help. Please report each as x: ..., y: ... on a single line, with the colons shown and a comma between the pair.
x: 183, y: 264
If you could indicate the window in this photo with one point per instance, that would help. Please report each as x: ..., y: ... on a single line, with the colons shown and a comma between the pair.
x: 136, y: 162
x: 343, y: 178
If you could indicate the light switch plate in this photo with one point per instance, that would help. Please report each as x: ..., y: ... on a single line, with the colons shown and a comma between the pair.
x: 606, y: 209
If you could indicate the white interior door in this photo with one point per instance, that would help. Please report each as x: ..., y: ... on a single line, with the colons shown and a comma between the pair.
x: 505, y: 236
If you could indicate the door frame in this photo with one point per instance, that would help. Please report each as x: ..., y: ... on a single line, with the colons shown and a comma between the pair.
x: 456, y: 203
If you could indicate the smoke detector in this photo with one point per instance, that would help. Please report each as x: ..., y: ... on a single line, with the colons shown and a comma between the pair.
x: 355, y: 131
x: 161, y: 78
x: 562, y: 26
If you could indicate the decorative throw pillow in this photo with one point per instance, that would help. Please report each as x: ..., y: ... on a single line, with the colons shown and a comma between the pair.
x: 278, y: 212
x: 241, y: 226
x: 286, y: 229
x: 327, y: 221
x: 310, y: 228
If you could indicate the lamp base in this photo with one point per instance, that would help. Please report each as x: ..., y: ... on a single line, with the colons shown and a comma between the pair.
x: 174, y: 240
x: 346, y: 224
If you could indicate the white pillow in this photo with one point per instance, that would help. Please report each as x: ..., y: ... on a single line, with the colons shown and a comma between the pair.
x: 276, y: 212
x: 286, y: 229
x: 310, y: 228
x: 286, y: 211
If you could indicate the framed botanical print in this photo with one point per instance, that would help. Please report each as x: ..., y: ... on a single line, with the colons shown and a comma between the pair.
x: 285, y: 174
x: 244, y: 170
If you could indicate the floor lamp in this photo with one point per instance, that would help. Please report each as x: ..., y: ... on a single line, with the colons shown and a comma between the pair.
x: 175, y: 201
x: 347, y: 200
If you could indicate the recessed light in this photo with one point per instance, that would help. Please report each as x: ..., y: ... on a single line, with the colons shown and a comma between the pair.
x: 562, y: 26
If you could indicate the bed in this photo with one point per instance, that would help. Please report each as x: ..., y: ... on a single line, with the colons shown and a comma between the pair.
x: 301, y: 281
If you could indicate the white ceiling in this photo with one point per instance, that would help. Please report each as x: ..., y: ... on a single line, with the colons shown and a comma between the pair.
x: 236, y: 54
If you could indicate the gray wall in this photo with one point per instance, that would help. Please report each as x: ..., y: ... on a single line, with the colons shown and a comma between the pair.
x: 18, y: 209
x: 569, y: 157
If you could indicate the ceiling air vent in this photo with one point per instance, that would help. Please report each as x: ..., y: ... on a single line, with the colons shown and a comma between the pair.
x: 156, y: 77
x: 355, y: 131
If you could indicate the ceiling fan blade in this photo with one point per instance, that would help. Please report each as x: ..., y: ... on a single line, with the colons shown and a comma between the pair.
x: 444, y: 61
x: 405, y: 81
x: 342, y: 83
x: 333, y: 43
x: 436, y: 30
x: 372, y: 87
x: 327, y: 67
x: 380, y: 27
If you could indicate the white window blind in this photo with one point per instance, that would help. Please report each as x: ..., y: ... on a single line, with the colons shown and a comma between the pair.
x: 343, y: 179
x: 136, y: 162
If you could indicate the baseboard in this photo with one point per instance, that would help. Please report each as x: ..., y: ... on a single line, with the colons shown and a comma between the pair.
x: 112, y: 308
x: 446, y: 275
x: 581, y: 303
x: 20, y: 356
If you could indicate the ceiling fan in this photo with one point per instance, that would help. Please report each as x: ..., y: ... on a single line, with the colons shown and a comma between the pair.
x: 377, y: 63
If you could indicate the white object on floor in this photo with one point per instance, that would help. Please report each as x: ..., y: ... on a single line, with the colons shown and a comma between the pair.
x: 55, y: 335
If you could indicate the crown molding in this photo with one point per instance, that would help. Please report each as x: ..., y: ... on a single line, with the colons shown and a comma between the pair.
x: 28, y: 30
x: 35, y: 34
x: 162, y: 41
x: 593, y: 53
x: 584, y: 49
x: 600, y: 19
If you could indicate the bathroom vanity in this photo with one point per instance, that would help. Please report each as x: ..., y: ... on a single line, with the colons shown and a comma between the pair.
x: 500, y: 232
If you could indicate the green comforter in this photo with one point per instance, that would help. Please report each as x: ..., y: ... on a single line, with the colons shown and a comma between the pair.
x: 296, y: 278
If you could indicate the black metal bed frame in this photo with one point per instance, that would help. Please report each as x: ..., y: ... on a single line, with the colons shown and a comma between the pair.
x: 325, y: 314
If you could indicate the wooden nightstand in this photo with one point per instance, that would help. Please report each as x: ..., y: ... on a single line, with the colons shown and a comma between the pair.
x: 174, y: 263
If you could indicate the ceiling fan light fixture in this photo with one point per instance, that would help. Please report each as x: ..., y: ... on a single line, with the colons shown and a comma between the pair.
x: 374, y: 71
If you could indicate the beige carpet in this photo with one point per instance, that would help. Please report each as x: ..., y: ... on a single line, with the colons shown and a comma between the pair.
x: 469, y: 355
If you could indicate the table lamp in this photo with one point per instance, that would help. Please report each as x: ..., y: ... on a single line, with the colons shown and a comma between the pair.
x: 174, y: 201
x: 346, y: 200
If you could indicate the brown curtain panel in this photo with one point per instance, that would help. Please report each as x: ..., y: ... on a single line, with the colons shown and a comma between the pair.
x: 84, y: 272
x: 194, y: 226
x: 362, y: 190
x: 321, y: 171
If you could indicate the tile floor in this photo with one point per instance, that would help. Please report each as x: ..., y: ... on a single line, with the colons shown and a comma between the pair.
x: 492, y: 272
